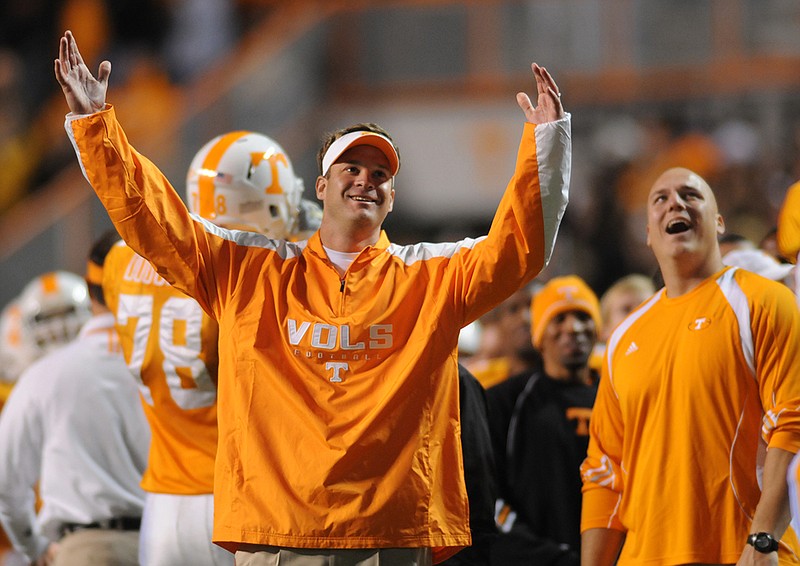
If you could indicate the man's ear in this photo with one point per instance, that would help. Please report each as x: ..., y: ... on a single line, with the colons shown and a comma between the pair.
x: 647, y: 234
x: 720, y: 224
x: 320, y: 186
x: 391, y: 200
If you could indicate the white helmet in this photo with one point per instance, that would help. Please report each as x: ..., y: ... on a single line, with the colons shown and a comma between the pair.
x: 309, y: 219
x: 245, y: 180
x: 53, y: 307
x: 16, y: 348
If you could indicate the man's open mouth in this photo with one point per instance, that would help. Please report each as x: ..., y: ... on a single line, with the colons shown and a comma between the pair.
x: 677, y: 226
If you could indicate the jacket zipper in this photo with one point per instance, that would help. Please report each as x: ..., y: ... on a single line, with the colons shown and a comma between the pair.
x: 341, y: 296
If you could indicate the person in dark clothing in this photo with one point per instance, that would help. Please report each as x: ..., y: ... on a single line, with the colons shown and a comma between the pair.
x: 539, y: 425
x: 479, y: 471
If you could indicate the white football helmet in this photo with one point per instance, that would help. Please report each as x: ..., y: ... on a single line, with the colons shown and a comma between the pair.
x: 309, y: 219
x: 244, y: 180
x: 16, y: 348
x: 53, y: 307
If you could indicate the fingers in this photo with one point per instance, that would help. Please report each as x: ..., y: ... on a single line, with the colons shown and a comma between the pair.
x: 104, y: 71
x: 541, y: 82
x: 544, y: 80
x: 63, y: 47
x: 68, y: 52
x: 525, y: 104
x: 556, y: 97
x: 548, y: 98
x: 58, y: 72
x: 75, y: 53
x: 550, y: 82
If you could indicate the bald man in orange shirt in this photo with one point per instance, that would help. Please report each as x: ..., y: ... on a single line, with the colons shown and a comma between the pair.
x: 698, y: 405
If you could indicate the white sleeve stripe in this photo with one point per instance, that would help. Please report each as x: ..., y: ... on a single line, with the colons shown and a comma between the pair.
x: 284, y: 249
x: 603, y: 474
x: 71, y: 135
x: 770, y: 420
x: 553, y: 145
x: 553, y: 138
x: 738, y: 302
x: 614, y: 512
x: 731, y: 475
x: 425, y: 251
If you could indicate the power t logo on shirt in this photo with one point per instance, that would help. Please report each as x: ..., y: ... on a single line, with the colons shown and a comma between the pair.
x: 337, y: 368
x: 700, y: 323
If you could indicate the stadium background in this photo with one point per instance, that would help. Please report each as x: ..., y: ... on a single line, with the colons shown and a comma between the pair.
x: 713, y: 84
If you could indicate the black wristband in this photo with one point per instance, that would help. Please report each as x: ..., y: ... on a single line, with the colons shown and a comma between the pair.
x: 764, y: 543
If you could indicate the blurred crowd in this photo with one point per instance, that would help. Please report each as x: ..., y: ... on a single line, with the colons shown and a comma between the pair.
x: 160, y: 46
x: 621, y: 158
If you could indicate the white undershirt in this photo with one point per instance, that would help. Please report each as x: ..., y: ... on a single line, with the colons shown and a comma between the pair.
x: 341, y: 260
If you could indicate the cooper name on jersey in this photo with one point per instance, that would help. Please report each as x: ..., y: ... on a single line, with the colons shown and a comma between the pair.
x: 140, y: 271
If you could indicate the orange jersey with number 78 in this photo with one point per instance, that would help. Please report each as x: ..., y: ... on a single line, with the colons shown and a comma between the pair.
x: 170, y: 346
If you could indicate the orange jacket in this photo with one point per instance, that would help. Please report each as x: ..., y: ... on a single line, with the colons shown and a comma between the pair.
x: 789, y: 224
x: 338, y: 397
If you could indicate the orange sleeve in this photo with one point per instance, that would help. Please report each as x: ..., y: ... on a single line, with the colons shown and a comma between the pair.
x: 777, y: 321
x: 789, y: 224
x: 601, y: 472
x: 598, y: 509
x: 146, y: 210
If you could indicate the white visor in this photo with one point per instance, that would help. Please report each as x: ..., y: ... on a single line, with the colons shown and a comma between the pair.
x: 353, y: 139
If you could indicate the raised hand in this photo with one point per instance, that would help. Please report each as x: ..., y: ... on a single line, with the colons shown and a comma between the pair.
x: 84, y: 93
x: 548, y: 102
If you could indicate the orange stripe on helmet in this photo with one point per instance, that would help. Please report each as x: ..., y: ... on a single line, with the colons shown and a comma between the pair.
x: 49, y: 283
x: 15, y: 333
x: 205, y: 183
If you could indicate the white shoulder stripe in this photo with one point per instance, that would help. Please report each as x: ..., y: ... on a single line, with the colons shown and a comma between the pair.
x: 623, y: 327
x: 424, y: 251
x: 284, y: 249
x: 553, y: 147
x: 738, y: 302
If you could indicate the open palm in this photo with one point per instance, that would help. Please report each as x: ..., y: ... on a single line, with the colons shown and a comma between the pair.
x: 84, y: 93
x: 548, y: 99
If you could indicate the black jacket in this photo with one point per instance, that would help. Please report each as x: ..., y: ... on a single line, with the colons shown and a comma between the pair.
x: 479, y: 471
x: 540, y: 432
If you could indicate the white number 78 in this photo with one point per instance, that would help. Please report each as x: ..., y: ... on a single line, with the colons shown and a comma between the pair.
x: 176, y: 339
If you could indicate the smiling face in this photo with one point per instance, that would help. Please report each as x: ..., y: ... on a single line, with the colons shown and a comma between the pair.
x: 358, y: 192
x: 682, y: 217
x: 567, y: 343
